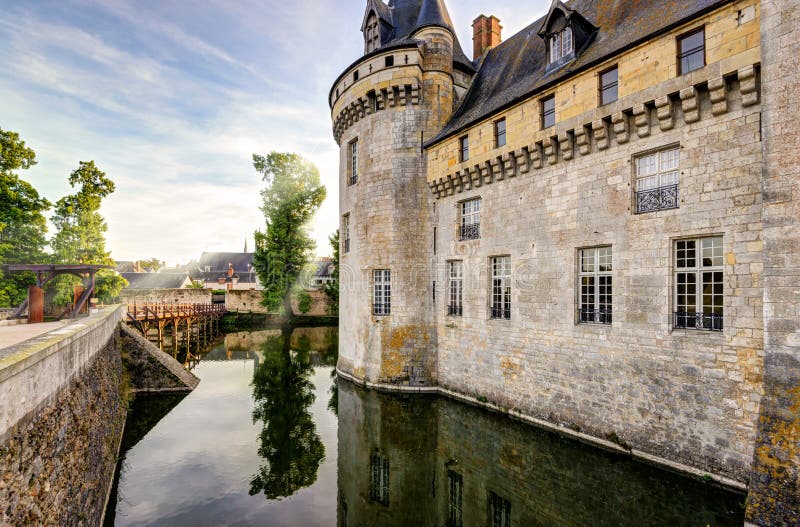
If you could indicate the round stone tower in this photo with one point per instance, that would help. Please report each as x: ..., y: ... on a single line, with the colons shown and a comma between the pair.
x: 384, y: 107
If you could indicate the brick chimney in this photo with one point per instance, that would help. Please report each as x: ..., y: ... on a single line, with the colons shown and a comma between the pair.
x: 230, y: 269
x: 485, y: 34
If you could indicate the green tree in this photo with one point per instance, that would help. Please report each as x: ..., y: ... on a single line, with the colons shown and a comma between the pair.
x: 304, y: 302
x: 291, y: 198
x: 288, y: 442
x: 152, y: 265
x: 331, y: 288
x: 80, y: 236
x: 22, y: 223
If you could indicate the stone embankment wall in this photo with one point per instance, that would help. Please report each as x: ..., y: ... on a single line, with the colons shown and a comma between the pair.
x: 150, y: 369
x: 61, y: 420
x: 166, y: 296
x: 6, y: 313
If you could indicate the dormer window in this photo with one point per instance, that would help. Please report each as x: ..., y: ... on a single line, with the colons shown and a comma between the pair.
x: 566, y: 34
x: 372, y: 35
x: 561, y: 45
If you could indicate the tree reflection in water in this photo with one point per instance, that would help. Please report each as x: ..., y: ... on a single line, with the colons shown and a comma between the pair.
x: 288, y: 443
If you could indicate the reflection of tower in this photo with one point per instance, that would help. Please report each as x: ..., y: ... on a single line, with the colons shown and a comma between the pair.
x: 386, y: 459
x: 384, y: 106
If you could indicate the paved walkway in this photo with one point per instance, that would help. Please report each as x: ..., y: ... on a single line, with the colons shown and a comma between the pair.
x: 10, y: 335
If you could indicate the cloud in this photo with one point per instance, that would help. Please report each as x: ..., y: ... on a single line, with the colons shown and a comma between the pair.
x: 172, y: 99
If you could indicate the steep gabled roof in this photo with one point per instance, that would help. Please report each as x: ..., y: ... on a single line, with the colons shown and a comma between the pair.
x: 155, y: 280
x: 409, y: 16
x: 517, y: 68
x: 242, y: 262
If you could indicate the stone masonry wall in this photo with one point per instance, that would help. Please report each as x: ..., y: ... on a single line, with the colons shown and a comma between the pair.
x: 167, y: 296
x: 684, y: 395
x: 57, y: 462
x: 774, y: 498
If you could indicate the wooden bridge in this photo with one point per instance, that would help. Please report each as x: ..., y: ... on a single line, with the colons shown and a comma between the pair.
x: 186, y: 326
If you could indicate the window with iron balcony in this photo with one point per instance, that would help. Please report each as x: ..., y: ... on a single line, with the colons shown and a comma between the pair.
x: 455, y: 273
x: 382, y: 292
x: 470, y: 221
x: 596, y: 288
x: 352, y: 165
x: 501, y: 287
x: 699, y: 286
x: 657, y: 177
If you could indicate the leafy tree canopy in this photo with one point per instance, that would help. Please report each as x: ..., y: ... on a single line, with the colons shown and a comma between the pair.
x: 291, y: 198
x: 22, y: 222
x: 81, y: 232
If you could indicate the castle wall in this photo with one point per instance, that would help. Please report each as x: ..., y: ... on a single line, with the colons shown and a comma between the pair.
x: 684, y: 395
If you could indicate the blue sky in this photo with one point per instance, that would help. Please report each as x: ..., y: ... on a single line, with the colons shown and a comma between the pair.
x: 172, y: 98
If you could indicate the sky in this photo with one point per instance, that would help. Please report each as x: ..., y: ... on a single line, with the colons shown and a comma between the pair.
x: 171, y: 99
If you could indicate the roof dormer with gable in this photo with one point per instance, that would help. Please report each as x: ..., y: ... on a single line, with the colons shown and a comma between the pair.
x: 566, y: 34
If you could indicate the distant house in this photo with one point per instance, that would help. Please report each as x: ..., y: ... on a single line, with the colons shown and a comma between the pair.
x: 222, y: 270
x: 322, y: 274
x: 124, y: 266
x: 156, y: 280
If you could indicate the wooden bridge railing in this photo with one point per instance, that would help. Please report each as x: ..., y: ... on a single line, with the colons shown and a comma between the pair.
x: 162, y: 311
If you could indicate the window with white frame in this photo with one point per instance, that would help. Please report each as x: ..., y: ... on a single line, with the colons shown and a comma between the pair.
x: 346, y: 233
x: 379, y: 479
x: 352, y: 162
x: 561, y: 45
x: 455, y: 492
x: 382, y: 293
x: 596, y: 288
x: 501, y: 287
x: 657, y: 176
x: 470, y: 222
x: 455, y: 273
x: 499, y: 511
x: 699, y: 283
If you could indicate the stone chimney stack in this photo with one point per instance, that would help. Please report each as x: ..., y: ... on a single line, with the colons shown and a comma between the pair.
x: 485, y: 34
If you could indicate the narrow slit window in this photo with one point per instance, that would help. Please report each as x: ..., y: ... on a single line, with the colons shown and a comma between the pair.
x: 353, y: 162
x: 463, y: 148
x: 692, y: 51
x: 346, y: 233
x: 500, y: 133
x: 548, y: 111
x: 609, y: 86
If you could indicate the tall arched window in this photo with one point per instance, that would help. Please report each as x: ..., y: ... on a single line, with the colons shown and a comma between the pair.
x: 372, y: 36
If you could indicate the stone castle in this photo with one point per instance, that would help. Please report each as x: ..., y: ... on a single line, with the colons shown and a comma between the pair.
x: 593, y: 225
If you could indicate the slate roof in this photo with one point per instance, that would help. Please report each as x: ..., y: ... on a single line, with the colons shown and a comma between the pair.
x: 515, y: 69
x: 155, y: 280
x: 409, y: 16
x: 324, y: 269
x: 218, y: 262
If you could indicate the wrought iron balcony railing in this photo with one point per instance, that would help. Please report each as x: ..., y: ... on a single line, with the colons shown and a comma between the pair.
x: 502, y: 313
x: 660, y: 198
x: 470, y: 231
x: 382, y: 309
x: 707, y: 321
x: 590, y: 315
x: 455, y: 311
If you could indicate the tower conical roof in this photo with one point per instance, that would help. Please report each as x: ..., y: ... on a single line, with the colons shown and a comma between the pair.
x: 434, y: 13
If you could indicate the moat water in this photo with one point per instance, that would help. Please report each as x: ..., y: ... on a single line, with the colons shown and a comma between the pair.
x: 270, y: 437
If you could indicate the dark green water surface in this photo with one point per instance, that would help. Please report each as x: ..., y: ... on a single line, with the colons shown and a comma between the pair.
x: 259, y: 443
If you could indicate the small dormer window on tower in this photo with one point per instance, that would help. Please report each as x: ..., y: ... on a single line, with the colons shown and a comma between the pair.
x: 372, y: 34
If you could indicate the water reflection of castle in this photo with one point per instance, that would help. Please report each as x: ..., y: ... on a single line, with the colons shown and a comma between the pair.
x: 428, y: 461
